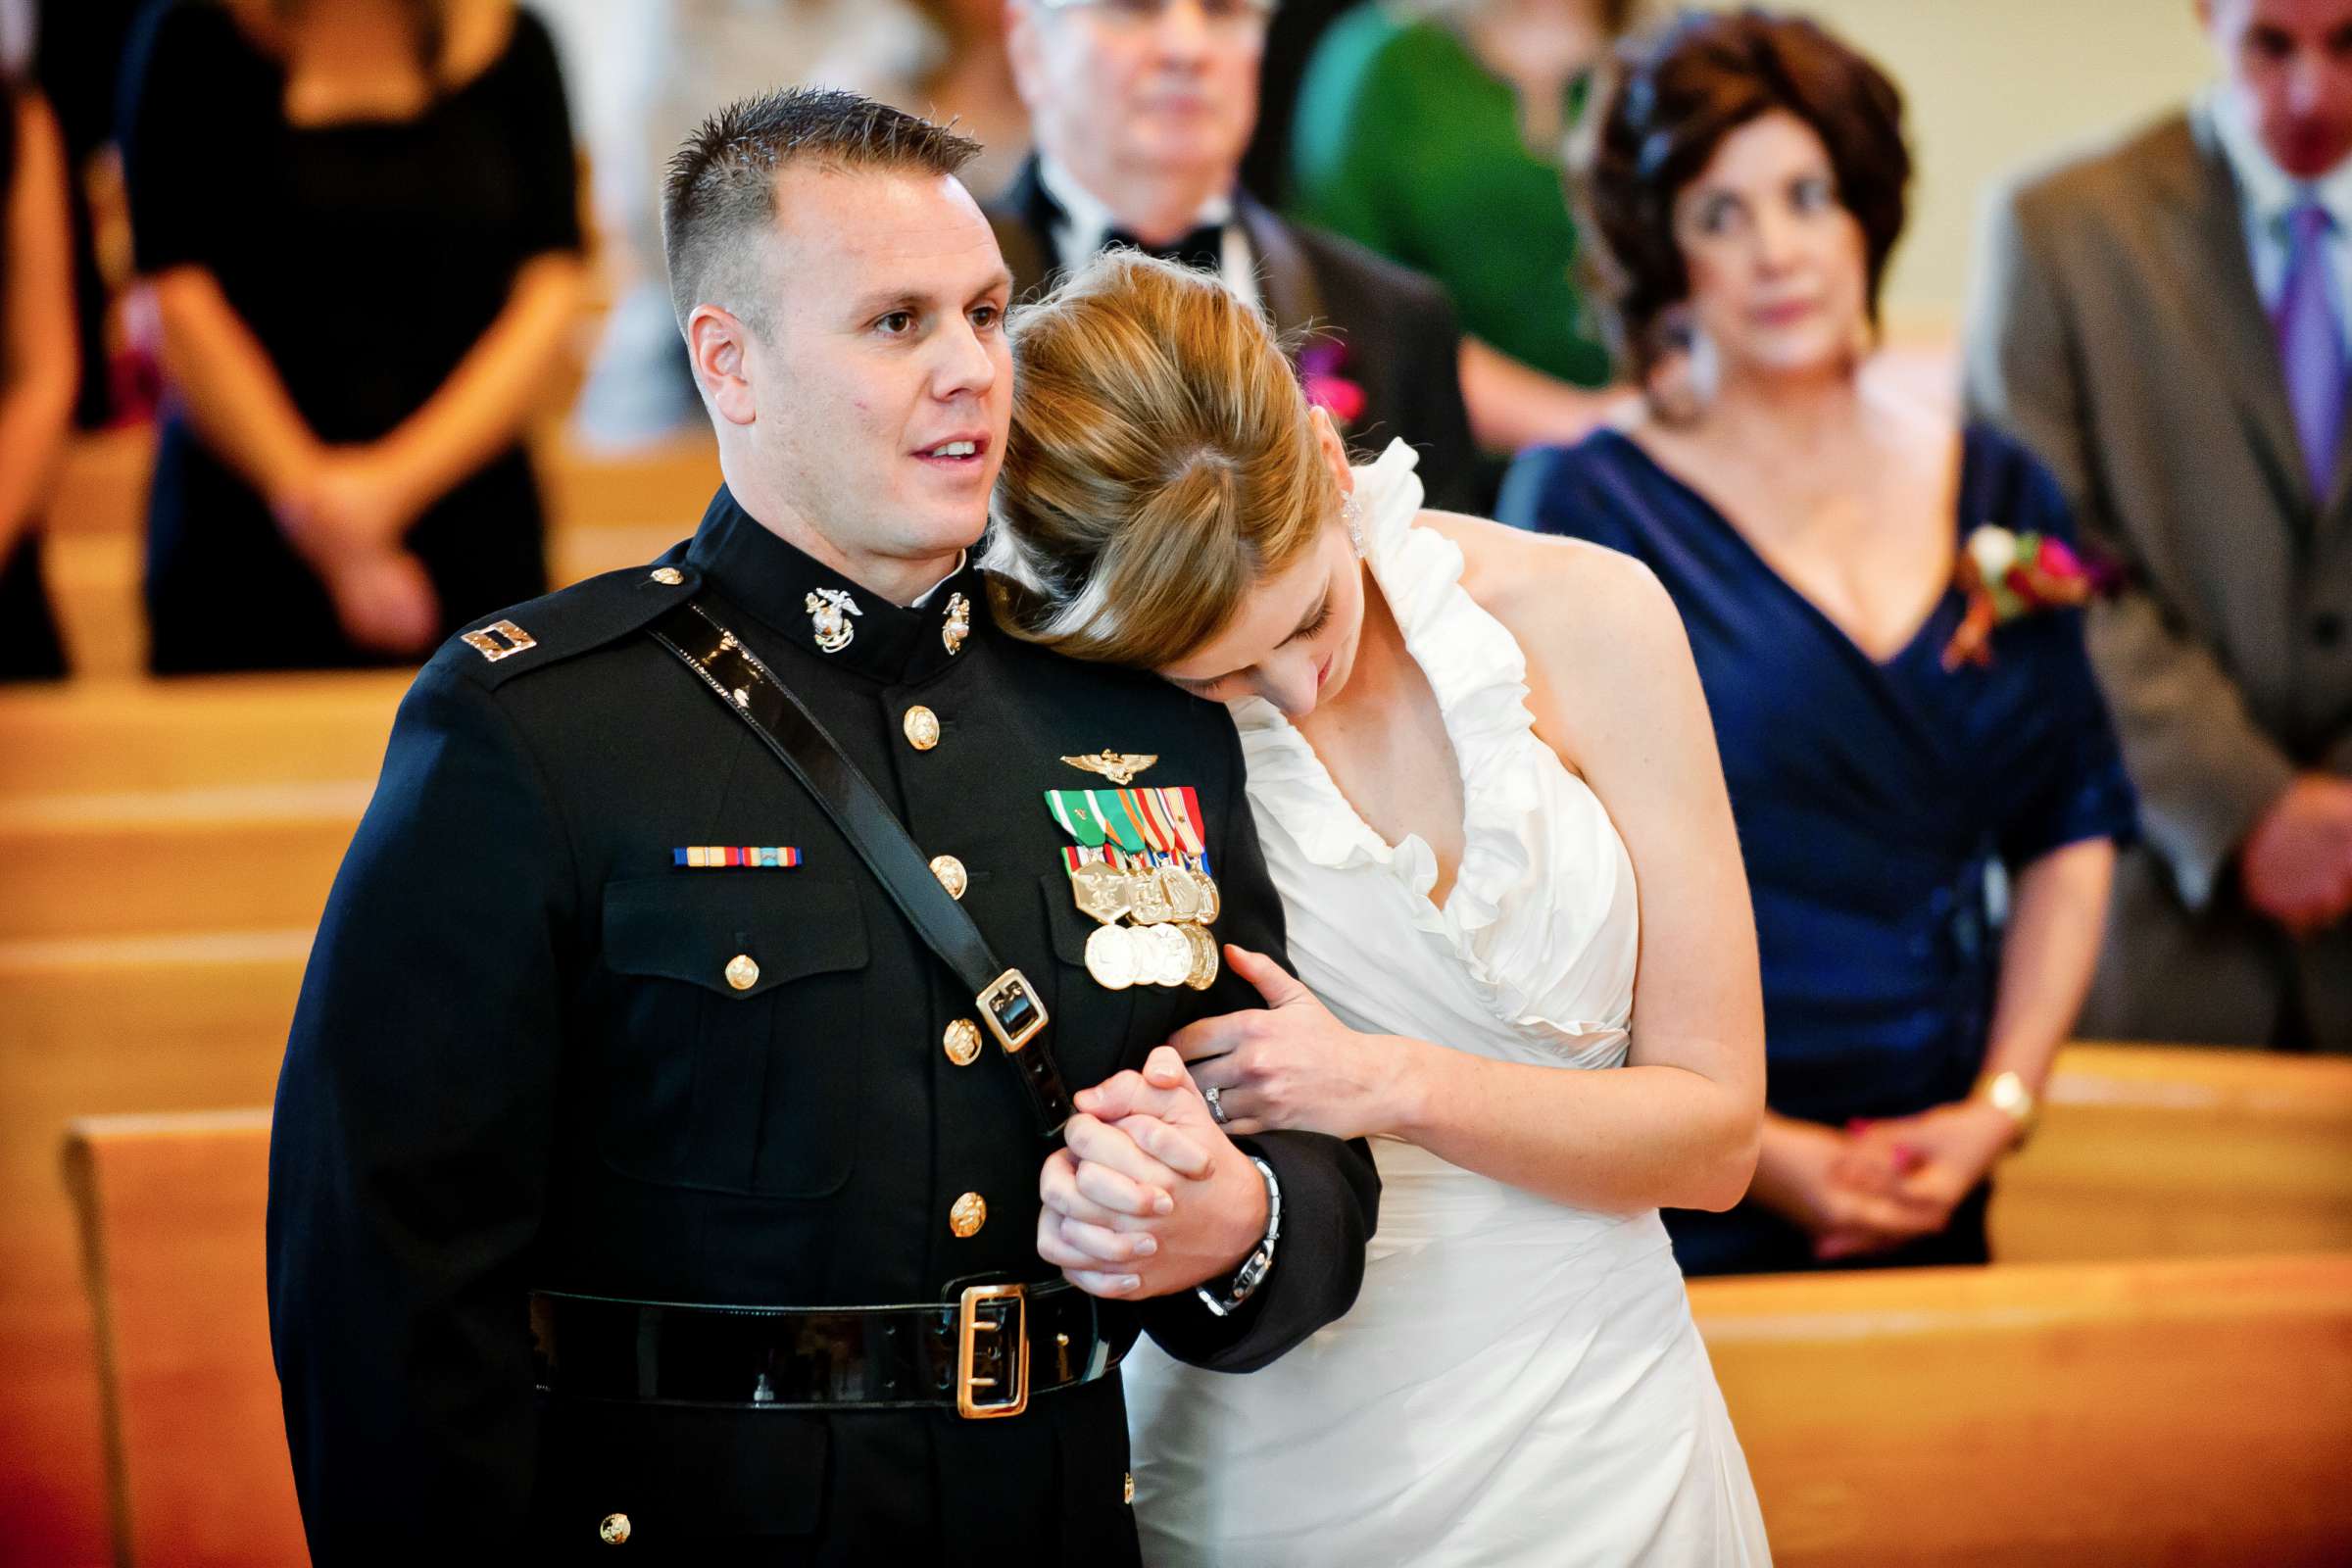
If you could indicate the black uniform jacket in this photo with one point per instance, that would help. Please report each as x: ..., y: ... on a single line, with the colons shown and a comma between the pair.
x: 1399, y: 339
x: 520, y: 1063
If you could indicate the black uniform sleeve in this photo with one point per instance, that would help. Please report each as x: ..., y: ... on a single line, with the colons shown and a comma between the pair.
x: 410, y: 1150
x: 1330, y: 1188
x: 539, y: 122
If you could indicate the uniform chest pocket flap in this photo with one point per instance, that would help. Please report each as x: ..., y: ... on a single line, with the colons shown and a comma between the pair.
x: 738, y: 1039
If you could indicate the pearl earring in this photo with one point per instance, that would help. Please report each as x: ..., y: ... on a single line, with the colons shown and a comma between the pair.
x: 1352, y: 512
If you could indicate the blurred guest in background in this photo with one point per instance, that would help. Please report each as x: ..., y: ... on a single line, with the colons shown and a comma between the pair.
x: 661, y: 64
x: 359, y: 223
x: 37, y: 368
x: 2164, y: 322
x: 79, y: 65
x: 1293, y: 33
x: 1435, y: 132
x: 1141, y: 110
x: 1878, y: 605
x: 970, y: 82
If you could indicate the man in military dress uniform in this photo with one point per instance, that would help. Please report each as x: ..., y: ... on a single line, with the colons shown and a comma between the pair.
x: 641, y: 1180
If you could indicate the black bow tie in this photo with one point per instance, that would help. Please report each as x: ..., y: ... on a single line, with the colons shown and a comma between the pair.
x: 1203, y: 248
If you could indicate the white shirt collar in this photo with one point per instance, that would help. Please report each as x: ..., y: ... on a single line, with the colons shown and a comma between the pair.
x: 1087, y: 219
x: 924, y: 598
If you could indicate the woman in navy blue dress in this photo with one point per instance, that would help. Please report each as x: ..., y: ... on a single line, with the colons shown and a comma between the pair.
x: 1927, y: 799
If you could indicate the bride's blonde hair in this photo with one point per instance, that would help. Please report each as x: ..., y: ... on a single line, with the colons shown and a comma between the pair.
x: 1161, y: 462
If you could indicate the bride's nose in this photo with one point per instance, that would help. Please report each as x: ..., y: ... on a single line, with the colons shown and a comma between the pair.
x: 1288, y: 681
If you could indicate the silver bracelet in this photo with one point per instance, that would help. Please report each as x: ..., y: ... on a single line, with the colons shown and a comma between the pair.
x: 1260, y: 1261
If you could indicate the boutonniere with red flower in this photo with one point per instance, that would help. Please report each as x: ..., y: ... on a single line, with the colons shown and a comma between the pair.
x: 1320, y: 367
x: 2007, y: 576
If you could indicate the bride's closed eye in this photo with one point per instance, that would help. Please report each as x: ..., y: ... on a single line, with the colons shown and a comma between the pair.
x: 1312, y: 627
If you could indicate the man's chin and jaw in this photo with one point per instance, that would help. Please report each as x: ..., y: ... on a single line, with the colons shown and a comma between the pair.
x: 864, y: 421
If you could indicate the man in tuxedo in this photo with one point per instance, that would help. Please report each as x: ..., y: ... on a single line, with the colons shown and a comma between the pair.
x: 640, y: 1176
x: 1141, y: 113
x: 2166, y: 322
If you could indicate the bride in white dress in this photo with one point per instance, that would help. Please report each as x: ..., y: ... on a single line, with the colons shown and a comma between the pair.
x: 1485, y: 782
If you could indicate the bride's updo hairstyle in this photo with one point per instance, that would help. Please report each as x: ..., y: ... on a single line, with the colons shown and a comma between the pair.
x: 1161, y: 462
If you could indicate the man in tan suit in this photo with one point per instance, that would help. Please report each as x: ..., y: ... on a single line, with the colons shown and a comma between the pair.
x: 2166, y: 322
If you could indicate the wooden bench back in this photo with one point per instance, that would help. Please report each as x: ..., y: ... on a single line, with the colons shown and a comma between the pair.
x: 2188, y: 1412
x: 2184, y: 1411
x: 172, y: 1211
x: 2170, y: 1151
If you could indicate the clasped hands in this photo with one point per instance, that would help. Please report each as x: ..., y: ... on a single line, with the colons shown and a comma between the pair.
x: 345, y: 511
x: 1149, y: 1196
x: 2296, y: 863
x: 1880, y: 1183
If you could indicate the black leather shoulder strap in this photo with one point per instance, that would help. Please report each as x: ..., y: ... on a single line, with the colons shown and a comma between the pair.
x: 748, y: 690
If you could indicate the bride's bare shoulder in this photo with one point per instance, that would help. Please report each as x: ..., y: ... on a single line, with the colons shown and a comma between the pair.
x: 1557, y: 595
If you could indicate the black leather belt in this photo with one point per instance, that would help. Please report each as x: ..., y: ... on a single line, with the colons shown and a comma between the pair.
x: 981, y: 1356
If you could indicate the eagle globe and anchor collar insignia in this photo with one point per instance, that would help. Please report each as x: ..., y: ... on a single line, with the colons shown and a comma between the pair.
x: 829, y: 613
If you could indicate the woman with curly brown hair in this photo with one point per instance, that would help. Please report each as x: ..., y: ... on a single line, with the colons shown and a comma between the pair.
x: 1882, y: 610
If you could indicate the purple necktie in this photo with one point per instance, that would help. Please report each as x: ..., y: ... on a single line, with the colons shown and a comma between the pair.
x: 2311, y: 344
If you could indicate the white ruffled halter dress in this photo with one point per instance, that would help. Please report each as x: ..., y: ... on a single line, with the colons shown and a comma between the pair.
x: 1520, y: 1382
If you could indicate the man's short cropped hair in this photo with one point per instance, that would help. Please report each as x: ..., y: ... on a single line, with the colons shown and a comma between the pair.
x: 718, y: 204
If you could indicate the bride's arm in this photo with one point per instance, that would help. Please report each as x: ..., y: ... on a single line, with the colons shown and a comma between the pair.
x: 1613, y: 690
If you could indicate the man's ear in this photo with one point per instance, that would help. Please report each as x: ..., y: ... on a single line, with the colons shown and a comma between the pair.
x: 719, y: 347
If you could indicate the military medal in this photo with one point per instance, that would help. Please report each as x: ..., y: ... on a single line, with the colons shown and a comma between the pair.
x: 1171, y: 957
x: 1103, y: 890
x: 1138, y: 857
x: 829, y: 612
x: 1113, y: 956
x: 1204, y: 972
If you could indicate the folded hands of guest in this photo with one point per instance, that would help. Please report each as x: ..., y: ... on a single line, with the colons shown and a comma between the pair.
x: 346, y: 511
x: 1878, y: 1185
x: 2296, y: 866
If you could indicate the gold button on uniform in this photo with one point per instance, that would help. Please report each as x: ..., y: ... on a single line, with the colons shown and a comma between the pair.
x: 950, y: 871
x: 968, y: 1215
x: 612, y: 1529
x: 962, y: 1042
x: 668, y: 577
x: 741, y: 972
x: 922, y: 727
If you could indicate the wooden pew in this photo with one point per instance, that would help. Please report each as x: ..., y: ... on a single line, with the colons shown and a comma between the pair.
x: 196, y: 1464
x: 94, y: 736
x: 173, y: 860
x: 2166, y: 1151
x: 603, y: 512
x: 99, y: 1027
x: 2188, y: 1412
x: 2179, y: 1412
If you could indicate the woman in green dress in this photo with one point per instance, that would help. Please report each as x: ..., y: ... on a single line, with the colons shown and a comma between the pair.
x: 1435, y: 133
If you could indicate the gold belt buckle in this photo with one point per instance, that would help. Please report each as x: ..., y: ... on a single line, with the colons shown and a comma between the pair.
x: 1010, y: 1009
x: 969, y: 1326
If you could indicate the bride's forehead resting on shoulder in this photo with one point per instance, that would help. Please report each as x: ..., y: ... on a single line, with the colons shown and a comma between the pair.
x: 1163, y: 464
